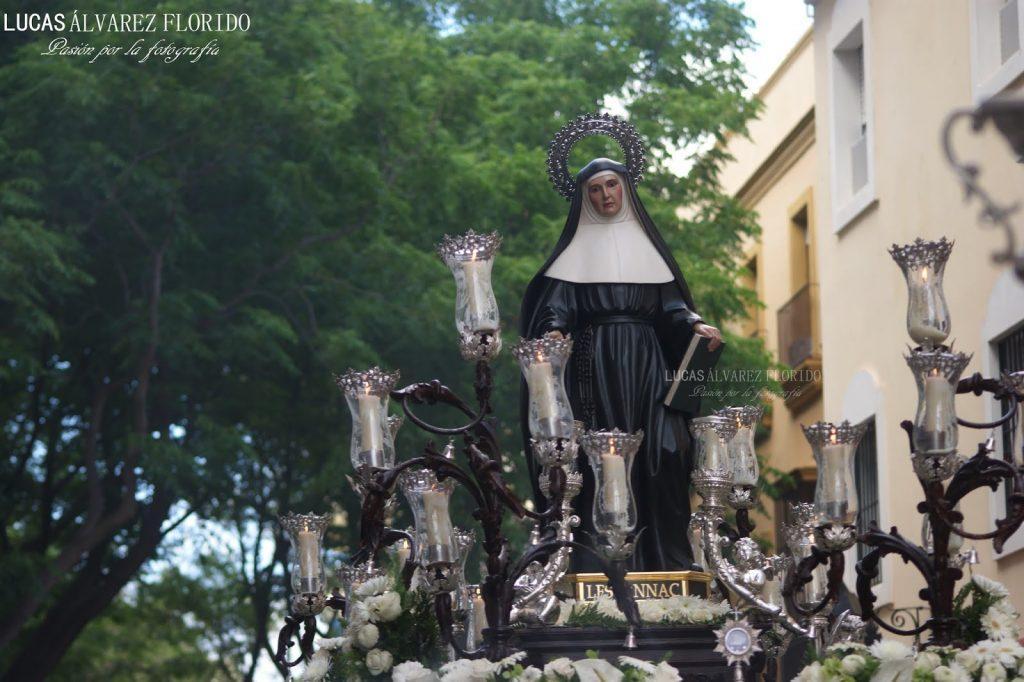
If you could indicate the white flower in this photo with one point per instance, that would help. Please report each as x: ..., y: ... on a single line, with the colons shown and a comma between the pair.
x: 558, y: 669
x: 853, y: 664
x: 927, y: 661
x: 993, y: 672
x: 653, y: 610
x: 510, y: 661
x: 565, y: 609
x: 665, y: 673
x: 1006, y: 607
x: 367, y: 636
x: 643, y: 666
x: 384, y: 607
x: 378, y: 661
x: 811, y: 673
x: 1006, y: 652
x: 357, y: 614
x: 317, y: 667
x: 951, y: 673
x: 969, y: 659
x: 596, y: 670
x: 412, y: 671
x: 466, y: 670
x: 992, y: 587
x: 606, y: 607
x: 529, y: 674
x: 374, y: 586
x: 999, y: 625
x: 332, y: 643
x: 890, y: 650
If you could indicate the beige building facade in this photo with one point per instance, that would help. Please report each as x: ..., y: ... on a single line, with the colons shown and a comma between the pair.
x: 880, y: 77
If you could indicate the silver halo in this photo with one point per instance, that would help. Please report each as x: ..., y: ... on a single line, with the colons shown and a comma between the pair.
x: 620, y: 130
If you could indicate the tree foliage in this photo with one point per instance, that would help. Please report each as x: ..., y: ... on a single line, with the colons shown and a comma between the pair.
x: 189, y: 251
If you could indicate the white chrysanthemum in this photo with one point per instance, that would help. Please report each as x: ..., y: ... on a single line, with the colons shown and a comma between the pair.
x: 992, y: 587
x: 529, y: 674
x: 812, y: 673
x: 998, y: 625
x: 1006, y: 652
x: 412, y: 671
x: 950, y: 673
x: 596, y: 670
x: 510, y: 661
x: 317, y: 667
x: 927, y: 661
x: 332, y: 643
x: 969, y: 659
x: 643, y: 666
x: 558, y: 669
x: 992, y: 672
x: 653, y: 610
x: 378, y: 661
x: 606, y: 607
x: 466, y: 670
x: 366, y: 636
x: 664, y: 672
x: 853, y: 664
x: 384, y: 608
x: 374, y: 586
x: 357, y: 614
x: 890, y: 650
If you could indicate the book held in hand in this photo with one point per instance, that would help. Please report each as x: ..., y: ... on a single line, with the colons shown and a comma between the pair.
x: 684, y: 394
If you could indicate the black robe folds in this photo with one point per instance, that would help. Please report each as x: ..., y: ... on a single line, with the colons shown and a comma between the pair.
x: 628, y: 337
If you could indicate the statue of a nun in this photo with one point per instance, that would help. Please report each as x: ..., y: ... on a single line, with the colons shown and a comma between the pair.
x: 612, y: 283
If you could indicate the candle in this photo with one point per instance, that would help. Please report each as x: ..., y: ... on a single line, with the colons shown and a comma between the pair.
x: 938, y: 393
x: 476, y: 274
x: 541, y: 381
x: 439, y: 524
x: 479, y: 618
x: 615, y: 488
x: 927, y: 334
x: 402, y: 552
x: 308, y: 546
x: 371, y: 441
x: 715, y: 454
x: 832, y: 503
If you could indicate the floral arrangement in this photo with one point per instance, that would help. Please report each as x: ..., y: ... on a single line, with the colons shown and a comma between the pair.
x: 679, y: 610
x: 390, y: 633
x: 987, y: 619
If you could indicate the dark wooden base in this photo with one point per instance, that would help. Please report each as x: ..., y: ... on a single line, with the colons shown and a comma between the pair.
x: 690, y: 648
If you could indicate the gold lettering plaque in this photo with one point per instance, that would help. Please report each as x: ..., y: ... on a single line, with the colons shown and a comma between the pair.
x: 646, y: 585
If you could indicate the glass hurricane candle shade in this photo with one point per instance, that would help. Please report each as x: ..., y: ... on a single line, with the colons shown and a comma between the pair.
x: 470, y: 257
x: 711, y: 436
x: 835, y: 493
x: 742, y: 455
x: 956, y: 542
x: 464, y: 540
x: 543, y: 363
x: 428, y: 500
x: 476, y: 617
x: 367, y: 394
x: 937, y: 374
x: 923, y: 264
x: 800, y: 541
x: 306, y: 534
x: 611, y: 455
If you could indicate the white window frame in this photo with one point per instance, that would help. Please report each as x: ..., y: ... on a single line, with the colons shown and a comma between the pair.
x: 1004, y: 314
x: 989, y: 75
x: 862, y: 400
x: 850, y: 24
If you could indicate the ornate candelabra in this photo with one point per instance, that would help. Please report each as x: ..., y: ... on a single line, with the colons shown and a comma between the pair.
x: 520, y: 588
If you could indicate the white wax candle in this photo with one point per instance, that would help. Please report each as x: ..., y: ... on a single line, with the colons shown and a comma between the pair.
x: 937, y: 394
x: 479, y: 618
x: 371, y: 439
x: 402, y: 552
x: 613, y: 474
x: 439, y: 524
x: 475, y: 274
x: 309, y: 554
x: 542, y: 389
x: 927, y: 334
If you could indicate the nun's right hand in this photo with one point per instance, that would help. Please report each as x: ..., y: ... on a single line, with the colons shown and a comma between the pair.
x: 555, y: 334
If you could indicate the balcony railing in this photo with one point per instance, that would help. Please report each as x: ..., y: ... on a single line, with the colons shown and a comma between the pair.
x: 796, y: 339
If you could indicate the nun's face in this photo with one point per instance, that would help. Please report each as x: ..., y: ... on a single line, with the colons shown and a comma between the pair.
x: 605, y: 194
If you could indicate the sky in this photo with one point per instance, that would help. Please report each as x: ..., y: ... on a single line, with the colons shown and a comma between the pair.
x: 778, y: 25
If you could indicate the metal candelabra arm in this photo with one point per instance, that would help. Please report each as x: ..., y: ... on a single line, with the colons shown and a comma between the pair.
x: 868, y: 567
x: 802, y: 574
x: 294, y: 625
x: 729, y: 575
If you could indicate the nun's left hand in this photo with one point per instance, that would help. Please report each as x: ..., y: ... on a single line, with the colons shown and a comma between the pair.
x: 711, y: 332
